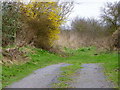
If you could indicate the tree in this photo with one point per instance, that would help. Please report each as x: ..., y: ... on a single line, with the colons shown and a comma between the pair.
x: 65, y: 9
x: 110, y: 16
x: 10, y: 22
x: 119, y: 10
x: 0, y: 23
x: 88, y: 26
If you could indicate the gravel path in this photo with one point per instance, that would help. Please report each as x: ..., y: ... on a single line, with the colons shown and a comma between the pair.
x: 91, y: 76
x: 41, y: 78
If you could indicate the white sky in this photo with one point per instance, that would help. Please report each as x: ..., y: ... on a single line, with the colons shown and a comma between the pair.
x: 85, y: 8
x: 88, y: 8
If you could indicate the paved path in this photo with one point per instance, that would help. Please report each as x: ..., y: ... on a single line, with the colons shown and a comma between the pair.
x: 41, y: 78
x: 91, y: 76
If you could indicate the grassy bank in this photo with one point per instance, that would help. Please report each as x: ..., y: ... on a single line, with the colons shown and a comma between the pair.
x: 41, y: 58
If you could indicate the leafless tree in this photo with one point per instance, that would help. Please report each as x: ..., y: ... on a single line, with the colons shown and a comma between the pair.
x: 66, y: 9
x: 110, y: 15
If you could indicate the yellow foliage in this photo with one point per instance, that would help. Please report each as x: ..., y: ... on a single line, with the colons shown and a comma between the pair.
x: 44, y: 19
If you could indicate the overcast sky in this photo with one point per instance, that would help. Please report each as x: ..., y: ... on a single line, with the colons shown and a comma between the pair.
x: 85, y: 8
x: 88, y: 8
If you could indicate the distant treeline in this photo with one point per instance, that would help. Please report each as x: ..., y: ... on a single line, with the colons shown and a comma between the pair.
x: 103, y: 33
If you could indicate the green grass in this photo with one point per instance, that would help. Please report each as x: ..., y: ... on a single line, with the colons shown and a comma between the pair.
x: 66, y: 75
x: 41, y: 58
x: 87, y: 55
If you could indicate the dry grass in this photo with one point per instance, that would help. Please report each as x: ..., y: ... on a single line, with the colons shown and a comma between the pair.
x: 15, y: 55
x: 74, y: 39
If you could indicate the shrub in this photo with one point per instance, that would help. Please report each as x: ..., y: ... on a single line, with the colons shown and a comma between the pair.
x: 43, y: 22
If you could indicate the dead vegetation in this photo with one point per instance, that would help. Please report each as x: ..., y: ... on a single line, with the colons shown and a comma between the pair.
x: 116, y: 39
x: 14, y: 55
x: 74, y: 39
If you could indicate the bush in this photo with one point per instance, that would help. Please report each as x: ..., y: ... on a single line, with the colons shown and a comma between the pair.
x: 10, y: 22
x: 42, y: 23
